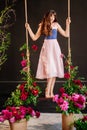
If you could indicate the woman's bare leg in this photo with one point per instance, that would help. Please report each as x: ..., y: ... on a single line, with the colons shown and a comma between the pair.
x: 47, y: 91
x: 52, y: 86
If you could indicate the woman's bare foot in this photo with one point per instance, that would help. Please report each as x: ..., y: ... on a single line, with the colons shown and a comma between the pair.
x: 47, y: 93
x: 52, y: 95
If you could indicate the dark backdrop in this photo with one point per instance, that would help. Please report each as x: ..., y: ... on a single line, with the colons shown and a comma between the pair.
x: 10, y: 72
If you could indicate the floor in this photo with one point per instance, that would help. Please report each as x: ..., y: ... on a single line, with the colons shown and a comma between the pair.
x: 46, y: 121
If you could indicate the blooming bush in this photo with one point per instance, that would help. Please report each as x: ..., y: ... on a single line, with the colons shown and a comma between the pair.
x: 72, y: 98
x: 13, y: 114
x: 81, y: 123
x: 19, y: 104
x: 27, y: 92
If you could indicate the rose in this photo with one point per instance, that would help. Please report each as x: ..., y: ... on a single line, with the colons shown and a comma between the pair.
x: 67, y: 75
x: 37, y: 114
x: 24, y: 63
x: 35, y: 92
x: 34, y: 47
x: 84, y: 118
x: 34, y: 84
x: 62, y: 90
x: 64, y: 106
x: 24, y: 95
x: 55, y: 98
x: 78, y: 82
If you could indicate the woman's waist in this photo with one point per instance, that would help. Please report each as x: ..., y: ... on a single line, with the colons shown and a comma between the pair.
x: 50, y: 37
x: 50, y: 40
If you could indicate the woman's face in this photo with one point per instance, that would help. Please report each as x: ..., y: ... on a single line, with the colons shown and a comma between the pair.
x: 52, y: 18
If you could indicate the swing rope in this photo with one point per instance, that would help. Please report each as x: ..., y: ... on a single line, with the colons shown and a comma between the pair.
x: 69, y: 49
x: 27, y: 48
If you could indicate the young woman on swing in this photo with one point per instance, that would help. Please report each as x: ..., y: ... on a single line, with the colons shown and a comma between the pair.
x: 50, y: 63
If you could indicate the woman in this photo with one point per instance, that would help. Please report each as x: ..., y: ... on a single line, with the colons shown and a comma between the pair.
x: 50, y: 63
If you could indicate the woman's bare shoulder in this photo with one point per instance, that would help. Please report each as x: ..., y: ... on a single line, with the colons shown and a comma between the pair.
x: 56, y: 25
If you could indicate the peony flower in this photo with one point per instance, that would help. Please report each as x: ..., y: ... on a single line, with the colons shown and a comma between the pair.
x: 78, y: 82
x: 34, y: 47
x: 62, y: 90
x: 84, y: 118
x: 64, y: 106
x: 80, y: 106
x: 33, y: 113
x: 60, y: 101
x: 21, y: 87
x: 75, y: 97
x: 67, y: 75
x: 24, y: 63
x: 37, y: 114
x: 7, y: 114
x: 2, y: 119
x: 64, y: 95
x: 22, y: 54
x: 55, y: 98
x: 71, y: 67
x: 12, y: 120
x: 24, y: 96
x: 35, y: 92
x: 34, y: 84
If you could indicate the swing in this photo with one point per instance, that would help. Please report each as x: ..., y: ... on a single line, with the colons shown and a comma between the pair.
x: 28, y: 54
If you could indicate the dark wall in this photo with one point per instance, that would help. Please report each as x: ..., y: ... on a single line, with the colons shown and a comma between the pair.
x: 10, y: 72
x: 36, y: 9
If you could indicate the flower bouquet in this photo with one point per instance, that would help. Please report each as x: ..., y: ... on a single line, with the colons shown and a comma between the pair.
x: 19, y: 106
x: 28, y: 91
x: 72, y: 98
x: 15, y: 114
x: 81, y: 123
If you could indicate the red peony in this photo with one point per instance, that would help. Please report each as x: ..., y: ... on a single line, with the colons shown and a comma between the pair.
x: 62, y: 90
x: 66, y: 75
x: 35, y: 92
x: 34, y: 47
x: 24, y: 96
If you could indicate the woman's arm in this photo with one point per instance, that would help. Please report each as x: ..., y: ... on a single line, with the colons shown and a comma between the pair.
x: 33, y: 36
x: 65, y: 32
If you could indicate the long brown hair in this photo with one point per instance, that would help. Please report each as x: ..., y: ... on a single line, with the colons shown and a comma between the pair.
x: 46, y: 23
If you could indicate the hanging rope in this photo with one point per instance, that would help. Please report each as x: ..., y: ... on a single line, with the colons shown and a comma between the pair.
x: 27, y: 49
x: 69, y: 49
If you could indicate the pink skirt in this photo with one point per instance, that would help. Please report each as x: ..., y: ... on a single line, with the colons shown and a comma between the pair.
x: 50, y: 61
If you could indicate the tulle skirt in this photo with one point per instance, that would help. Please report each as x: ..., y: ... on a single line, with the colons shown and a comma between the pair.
x: 50, y: 60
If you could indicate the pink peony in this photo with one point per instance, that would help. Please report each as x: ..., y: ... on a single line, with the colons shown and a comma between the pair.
x: 12, y: 120
x: 6, y: 114
x: 60, y: 101
x: 75, y: 97
x: 2, y: 119
x: 55, y: 98
x: 24, y: 63
x: 64, y: 106
x: 33, y: 113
